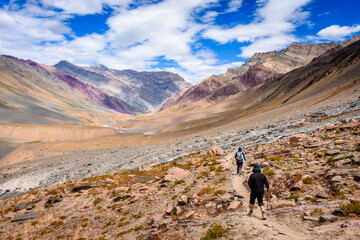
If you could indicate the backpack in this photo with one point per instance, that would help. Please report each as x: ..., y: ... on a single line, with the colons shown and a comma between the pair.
x: 240, y: 157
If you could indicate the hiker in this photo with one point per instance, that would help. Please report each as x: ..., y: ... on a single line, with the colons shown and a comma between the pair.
x: 240, y: 159
x: 256, y: 183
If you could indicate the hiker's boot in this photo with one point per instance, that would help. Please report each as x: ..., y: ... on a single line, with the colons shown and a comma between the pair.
x: 264, y: 215
x: 250, y: 214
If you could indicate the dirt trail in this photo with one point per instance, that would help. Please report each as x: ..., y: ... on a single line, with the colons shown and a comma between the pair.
x: 272, y: 226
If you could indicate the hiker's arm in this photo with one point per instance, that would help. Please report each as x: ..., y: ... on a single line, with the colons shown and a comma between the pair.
x: 244, y: 156
x: 250, y: 181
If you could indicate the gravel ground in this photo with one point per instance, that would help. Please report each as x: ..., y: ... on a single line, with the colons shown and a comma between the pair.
x: 23, y: 177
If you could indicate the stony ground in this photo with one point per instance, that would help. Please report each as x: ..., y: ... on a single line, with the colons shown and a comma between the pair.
x: 315, y: 194
x: 82, y: 161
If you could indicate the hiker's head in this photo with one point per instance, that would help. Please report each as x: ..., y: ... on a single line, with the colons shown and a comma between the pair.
x: 240, y: 149
x: 256, y: 168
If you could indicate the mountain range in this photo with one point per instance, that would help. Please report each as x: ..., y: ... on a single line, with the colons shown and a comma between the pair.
x: 260, y: 68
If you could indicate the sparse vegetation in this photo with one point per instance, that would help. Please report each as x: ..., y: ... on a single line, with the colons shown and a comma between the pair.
x: 268, y: 171
x: 308, y: 180
x: 215, y: 232
x: 353, y: 207
x: 97, y: 201
x: 206, y: 190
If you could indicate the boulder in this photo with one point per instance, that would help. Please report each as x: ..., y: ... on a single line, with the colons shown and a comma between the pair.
x: 322, y: 195
x: 183, y: 200
x: 296, y: 139
x: 327, y: 218
x: 333, y: 152
x: 76, y: 187
x: 156, y: 219
x: 338, y: 226
x: 343, y: 156
x: 170, y: 209
x: 310, y: 218
x: 52, y: 200
x: 297, y: 186
x: 179, y: 210
x: 21, y: 206
x: 216, y: 151
x: 176, y: 173
x: 26, y: 217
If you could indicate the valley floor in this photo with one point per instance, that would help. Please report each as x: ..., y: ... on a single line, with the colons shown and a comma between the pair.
x: 314, y: 178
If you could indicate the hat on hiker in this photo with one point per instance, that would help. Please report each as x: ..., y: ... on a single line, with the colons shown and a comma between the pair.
x: 240, y: 149
x: 256, y: 168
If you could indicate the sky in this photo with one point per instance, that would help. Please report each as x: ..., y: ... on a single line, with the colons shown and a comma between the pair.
x: 194, y: 38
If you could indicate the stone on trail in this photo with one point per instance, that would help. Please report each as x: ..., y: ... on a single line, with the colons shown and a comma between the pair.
x: 327, y: 218
x: 216, y: 151
x: 26, y: 217
x: 234, y: 205
x: 176, y: 173
x: 338, y: 226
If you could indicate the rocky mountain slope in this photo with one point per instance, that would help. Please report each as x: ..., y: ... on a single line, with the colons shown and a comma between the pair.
x: 144, y: 91
x: 32, y: 93
x: 314, y: 181
x: 260, y: 68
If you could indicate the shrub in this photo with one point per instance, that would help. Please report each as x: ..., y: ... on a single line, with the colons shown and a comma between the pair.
x: 219, y: 192
x: 308, y: 180
x: 217, y: 231
x: 33, y: 223
x: 124, y: 232
x: 293, y: 196
x: 137, y: 228
x: 268, y: 171
x: 206, y: 190
x: 353, y: 207
x: 97, y: 200
x: 339, y: 194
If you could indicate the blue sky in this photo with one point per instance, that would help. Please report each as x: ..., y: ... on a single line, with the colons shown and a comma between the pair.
x: 194, y: 38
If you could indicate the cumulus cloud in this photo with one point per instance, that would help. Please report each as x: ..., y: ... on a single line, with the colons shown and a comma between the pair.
x: 273, y: 18
x: 338, y: 33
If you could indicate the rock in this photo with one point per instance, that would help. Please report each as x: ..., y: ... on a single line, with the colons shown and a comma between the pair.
x: 283, y: 203
x: 21, y: 206
x: 297, y: 186
x: 322, y: 195
x: 183, y: 200
x: 179, y: 210
x: 176, y: 173
x: 143, y: 179
x: 320, y: 154
x: 336, y: 179
x: 296, y: 139
x: 76, y: 187
x: 234, y: 205
x: 121, y: 189
x: 343, y: 156
x: 26, y: 217
x: 342, y: 225
x: 156, y: 219
x: 358, y: 187
x: 258, y: 161
x: 52, y: 200
x: 339, y: 142
x: 216, y: 151
x: 310, y: 218
x: 343, y: 162
x: 327, y: 218
x: 333, y: 152
x: 189, y: 214
x: 170, y: 209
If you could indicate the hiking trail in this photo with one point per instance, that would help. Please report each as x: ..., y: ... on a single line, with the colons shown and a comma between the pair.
x: 271, y: 226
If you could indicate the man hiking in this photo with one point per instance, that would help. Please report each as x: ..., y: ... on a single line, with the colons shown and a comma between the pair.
x: 256, y: 182
x: 240, y: 159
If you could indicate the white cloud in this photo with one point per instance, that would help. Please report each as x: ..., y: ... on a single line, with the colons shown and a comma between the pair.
x: 274, y: 18
x: 338, y: 33
x: 234, y: 5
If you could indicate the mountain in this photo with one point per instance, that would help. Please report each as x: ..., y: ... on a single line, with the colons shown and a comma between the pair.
x: 331, y: 81
x: 31, y: 93
x: 144, y: 91
x: 260, y: 68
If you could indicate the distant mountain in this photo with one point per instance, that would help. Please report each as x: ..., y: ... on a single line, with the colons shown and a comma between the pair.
x: 31, y: 93
x: 260, y: 68
x: 144, y: 91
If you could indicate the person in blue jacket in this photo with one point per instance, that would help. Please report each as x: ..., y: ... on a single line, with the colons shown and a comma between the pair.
x: 240, y: 159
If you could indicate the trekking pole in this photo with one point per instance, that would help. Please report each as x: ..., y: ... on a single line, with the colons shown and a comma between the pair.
x: 268, y: 200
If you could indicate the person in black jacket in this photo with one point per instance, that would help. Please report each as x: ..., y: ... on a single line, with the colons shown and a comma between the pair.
x: 256, y: 183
